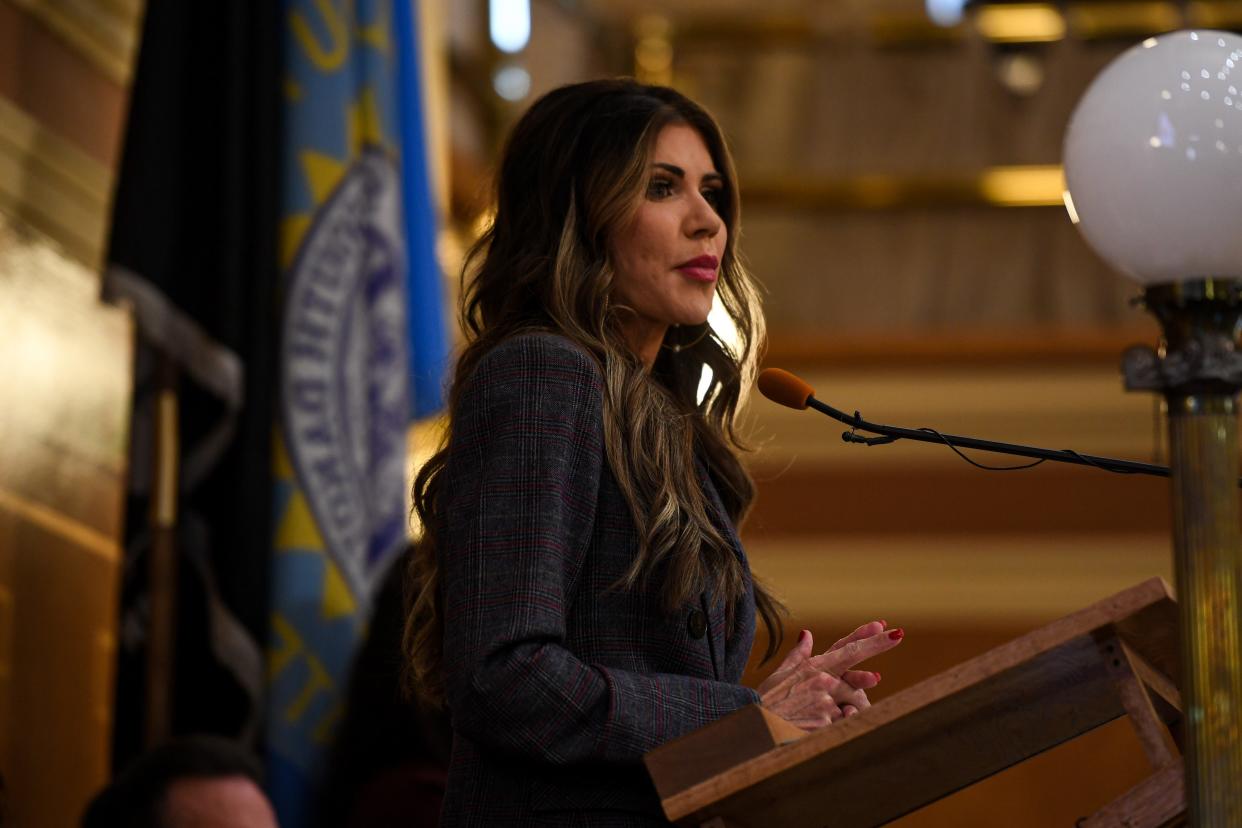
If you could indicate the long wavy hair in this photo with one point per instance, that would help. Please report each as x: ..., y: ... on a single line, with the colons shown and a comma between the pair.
x: 575, y: 168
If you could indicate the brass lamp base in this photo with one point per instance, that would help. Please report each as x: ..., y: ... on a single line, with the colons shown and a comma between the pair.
x: 1199, y: 370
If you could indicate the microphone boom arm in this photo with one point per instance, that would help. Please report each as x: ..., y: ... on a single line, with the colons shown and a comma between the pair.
x: 889, y: 434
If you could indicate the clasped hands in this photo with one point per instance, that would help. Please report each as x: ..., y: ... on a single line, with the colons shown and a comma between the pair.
x: 812, y: 691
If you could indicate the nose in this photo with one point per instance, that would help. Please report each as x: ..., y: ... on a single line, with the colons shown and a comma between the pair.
x: 703, y: 221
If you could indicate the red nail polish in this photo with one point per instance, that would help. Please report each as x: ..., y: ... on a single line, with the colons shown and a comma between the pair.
x: 877, y: 676
x: 884, y: 624
x: 897, y: 634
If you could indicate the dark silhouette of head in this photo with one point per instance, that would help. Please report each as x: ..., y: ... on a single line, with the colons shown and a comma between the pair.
x: 192, y: 782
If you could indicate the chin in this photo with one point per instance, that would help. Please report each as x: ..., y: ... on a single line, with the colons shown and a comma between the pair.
x: 692, y: 320
x: 695, y: 314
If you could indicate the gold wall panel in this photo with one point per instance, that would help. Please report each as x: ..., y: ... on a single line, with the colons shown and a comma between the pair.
x: 56, y: 188
x: 954, y: 580
x: 105, y: 32
x: 65, y: 367
x: 1023, y: 185
x: 51, y: 81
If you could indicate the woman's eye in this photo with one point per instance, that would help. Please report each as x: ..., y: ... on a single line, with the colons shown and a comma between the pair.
x: 660, y: 188
x: 713, y: 196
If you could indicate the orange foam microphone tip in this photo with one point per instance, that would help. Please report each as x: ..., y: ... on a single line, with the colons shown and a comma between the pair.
x: 782, y: 387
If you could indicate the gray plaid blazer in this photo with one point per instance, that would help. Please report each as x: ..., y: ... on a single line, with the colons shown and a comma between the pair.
x: 558, y: 684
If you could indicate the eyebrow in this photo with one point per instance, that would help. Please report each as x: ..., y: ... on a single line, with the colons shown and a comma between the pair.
x: 680, y: 173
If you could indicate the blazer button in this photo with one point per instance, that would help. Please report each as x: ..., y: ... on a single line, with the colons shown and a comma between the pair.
x: 697, y: 623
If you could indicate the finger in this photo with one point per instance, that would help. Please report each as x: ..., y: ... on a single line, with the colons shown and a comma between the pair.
x: 865, y: 631
x: 811, y: 723
x: 845, y: 693
x: 848, y: 710
x: 860, y: 700
x: 849, y: 655
x: 795, y: 658
x: 820, y: 704
x: 815, y: 692
x: 801, y: 652
x: 861, y: 679
x: 849, y: 687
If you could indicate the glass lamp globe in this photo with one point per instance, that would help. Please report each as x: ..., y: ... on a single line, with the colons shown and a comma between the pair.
x: 1153, y: 159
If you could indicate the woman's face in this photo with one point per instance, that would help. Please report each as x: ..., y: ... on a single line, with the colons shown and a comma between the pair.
x: 666, y: 259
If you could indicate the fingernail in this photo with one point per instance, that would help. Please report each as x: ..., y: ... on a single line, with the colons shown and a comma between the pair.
x: 884, y: 624
x: 877, y: 676
x: 802, y: 635
x: 897, y: 634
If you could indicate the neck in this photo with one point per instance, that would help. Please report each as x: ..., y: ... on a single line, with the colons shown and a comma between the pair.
x: 644, y: 339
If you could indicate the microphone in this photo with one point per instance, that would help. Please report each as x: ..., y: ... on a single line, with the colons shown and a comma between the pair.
x: 782, y: 387
x: 789, y: 390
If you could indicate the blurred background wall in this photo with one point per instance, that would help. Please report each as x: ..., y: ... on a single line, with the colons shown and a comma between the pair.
x: 65, y: 370
x: 902, y: 205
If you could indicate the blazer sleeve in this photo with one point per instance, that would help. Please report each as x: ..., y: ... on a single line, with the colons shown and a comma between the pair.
x: 524, y: 468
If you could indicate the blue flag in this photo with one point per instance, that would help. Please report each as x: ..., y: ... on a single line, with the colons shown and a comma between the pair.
x: 357, y: 242
x: 428, y: 334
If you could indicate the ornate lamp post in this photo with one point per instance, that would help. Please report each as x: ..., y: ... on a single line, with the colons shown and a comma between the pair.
x: 1153, y: 158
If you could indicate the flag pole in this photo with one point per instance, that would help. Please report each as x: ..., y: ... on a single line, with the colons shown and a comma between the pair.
x: 162, y: 561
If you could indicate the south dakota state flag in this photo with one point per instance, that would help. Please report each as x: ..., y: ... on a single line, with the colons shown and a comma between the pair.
x: 356, y: 245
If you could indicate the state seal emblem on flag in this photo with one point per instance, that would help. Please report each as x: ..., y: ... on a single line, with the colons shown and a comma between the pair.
x: 344, y: 397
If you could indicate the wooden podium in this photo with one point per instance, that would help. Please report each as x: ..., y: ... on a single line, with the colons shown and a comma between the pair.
x: 1113, y: 658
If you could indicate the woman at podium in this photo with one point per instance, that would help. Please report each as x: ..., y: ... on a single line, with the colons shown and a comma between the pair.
x: 581, y: 596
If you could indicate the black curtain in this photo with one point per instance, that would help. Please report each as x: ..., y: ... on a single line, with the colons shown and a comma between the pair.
x: 194, y: 248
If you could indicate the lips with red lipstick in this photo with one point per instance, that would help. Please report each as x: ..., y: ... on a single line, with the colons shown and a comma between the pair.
x: 700, y: 268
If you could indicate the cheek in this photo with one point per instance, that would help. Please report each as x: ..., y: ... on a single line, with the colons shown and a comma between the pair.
x: 642, y: 247
x: 636, y: 259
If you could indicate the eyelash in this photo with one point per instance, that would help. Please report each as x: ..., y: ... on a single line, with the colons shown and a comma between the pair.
x: 661, y: 188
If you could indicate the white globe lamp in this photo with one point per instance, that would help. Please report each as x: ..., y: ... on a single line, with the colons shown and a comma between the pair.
x: 1153, y: 162
x: 1153, y: 159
